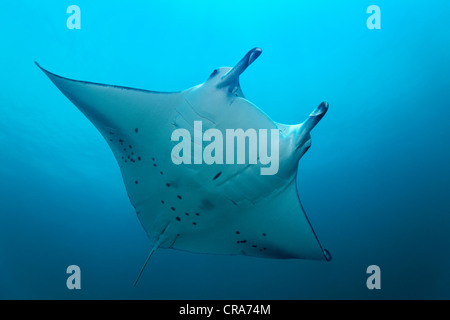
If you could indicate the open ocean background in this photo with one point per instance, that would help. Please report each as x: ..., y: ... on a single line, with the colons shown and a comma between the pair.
x: 375, y: 183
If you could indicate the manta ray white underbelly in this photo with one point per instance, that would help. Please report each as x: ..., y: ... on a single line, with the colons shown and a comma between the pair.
x: 204, y: 208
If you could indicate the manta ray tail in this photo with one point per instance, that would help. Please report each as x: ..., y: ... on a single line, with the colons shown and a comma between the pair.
x: 146, y: 261
x: 154, y: 248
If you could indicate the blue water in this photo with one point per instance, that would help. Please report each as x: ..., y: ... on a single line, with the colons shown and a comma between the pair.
x: 375, y: 183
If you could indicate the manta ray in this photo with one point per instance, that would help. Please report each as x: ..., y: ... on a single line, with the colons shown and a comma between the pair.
x: 209, y: 208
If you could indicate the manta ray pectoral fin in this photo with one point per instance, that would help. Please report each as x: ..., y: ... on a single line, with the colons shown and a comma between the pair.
x: 128, y: 120
x: 117, y: 107
x: 276, y: 227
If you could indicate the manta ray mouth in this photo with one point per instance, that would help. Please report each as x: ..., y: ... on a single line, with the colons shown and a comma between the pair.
x: 231, y: 78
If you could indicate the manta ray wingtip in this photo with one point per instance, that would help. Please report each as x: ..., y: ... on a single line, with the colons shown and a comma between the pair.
x: 327, y: 255
x: 39, y: 66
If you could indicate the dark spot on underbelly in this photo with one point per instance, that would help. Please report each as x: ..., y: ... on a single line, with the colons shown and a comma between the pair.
x: 206, y: 205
